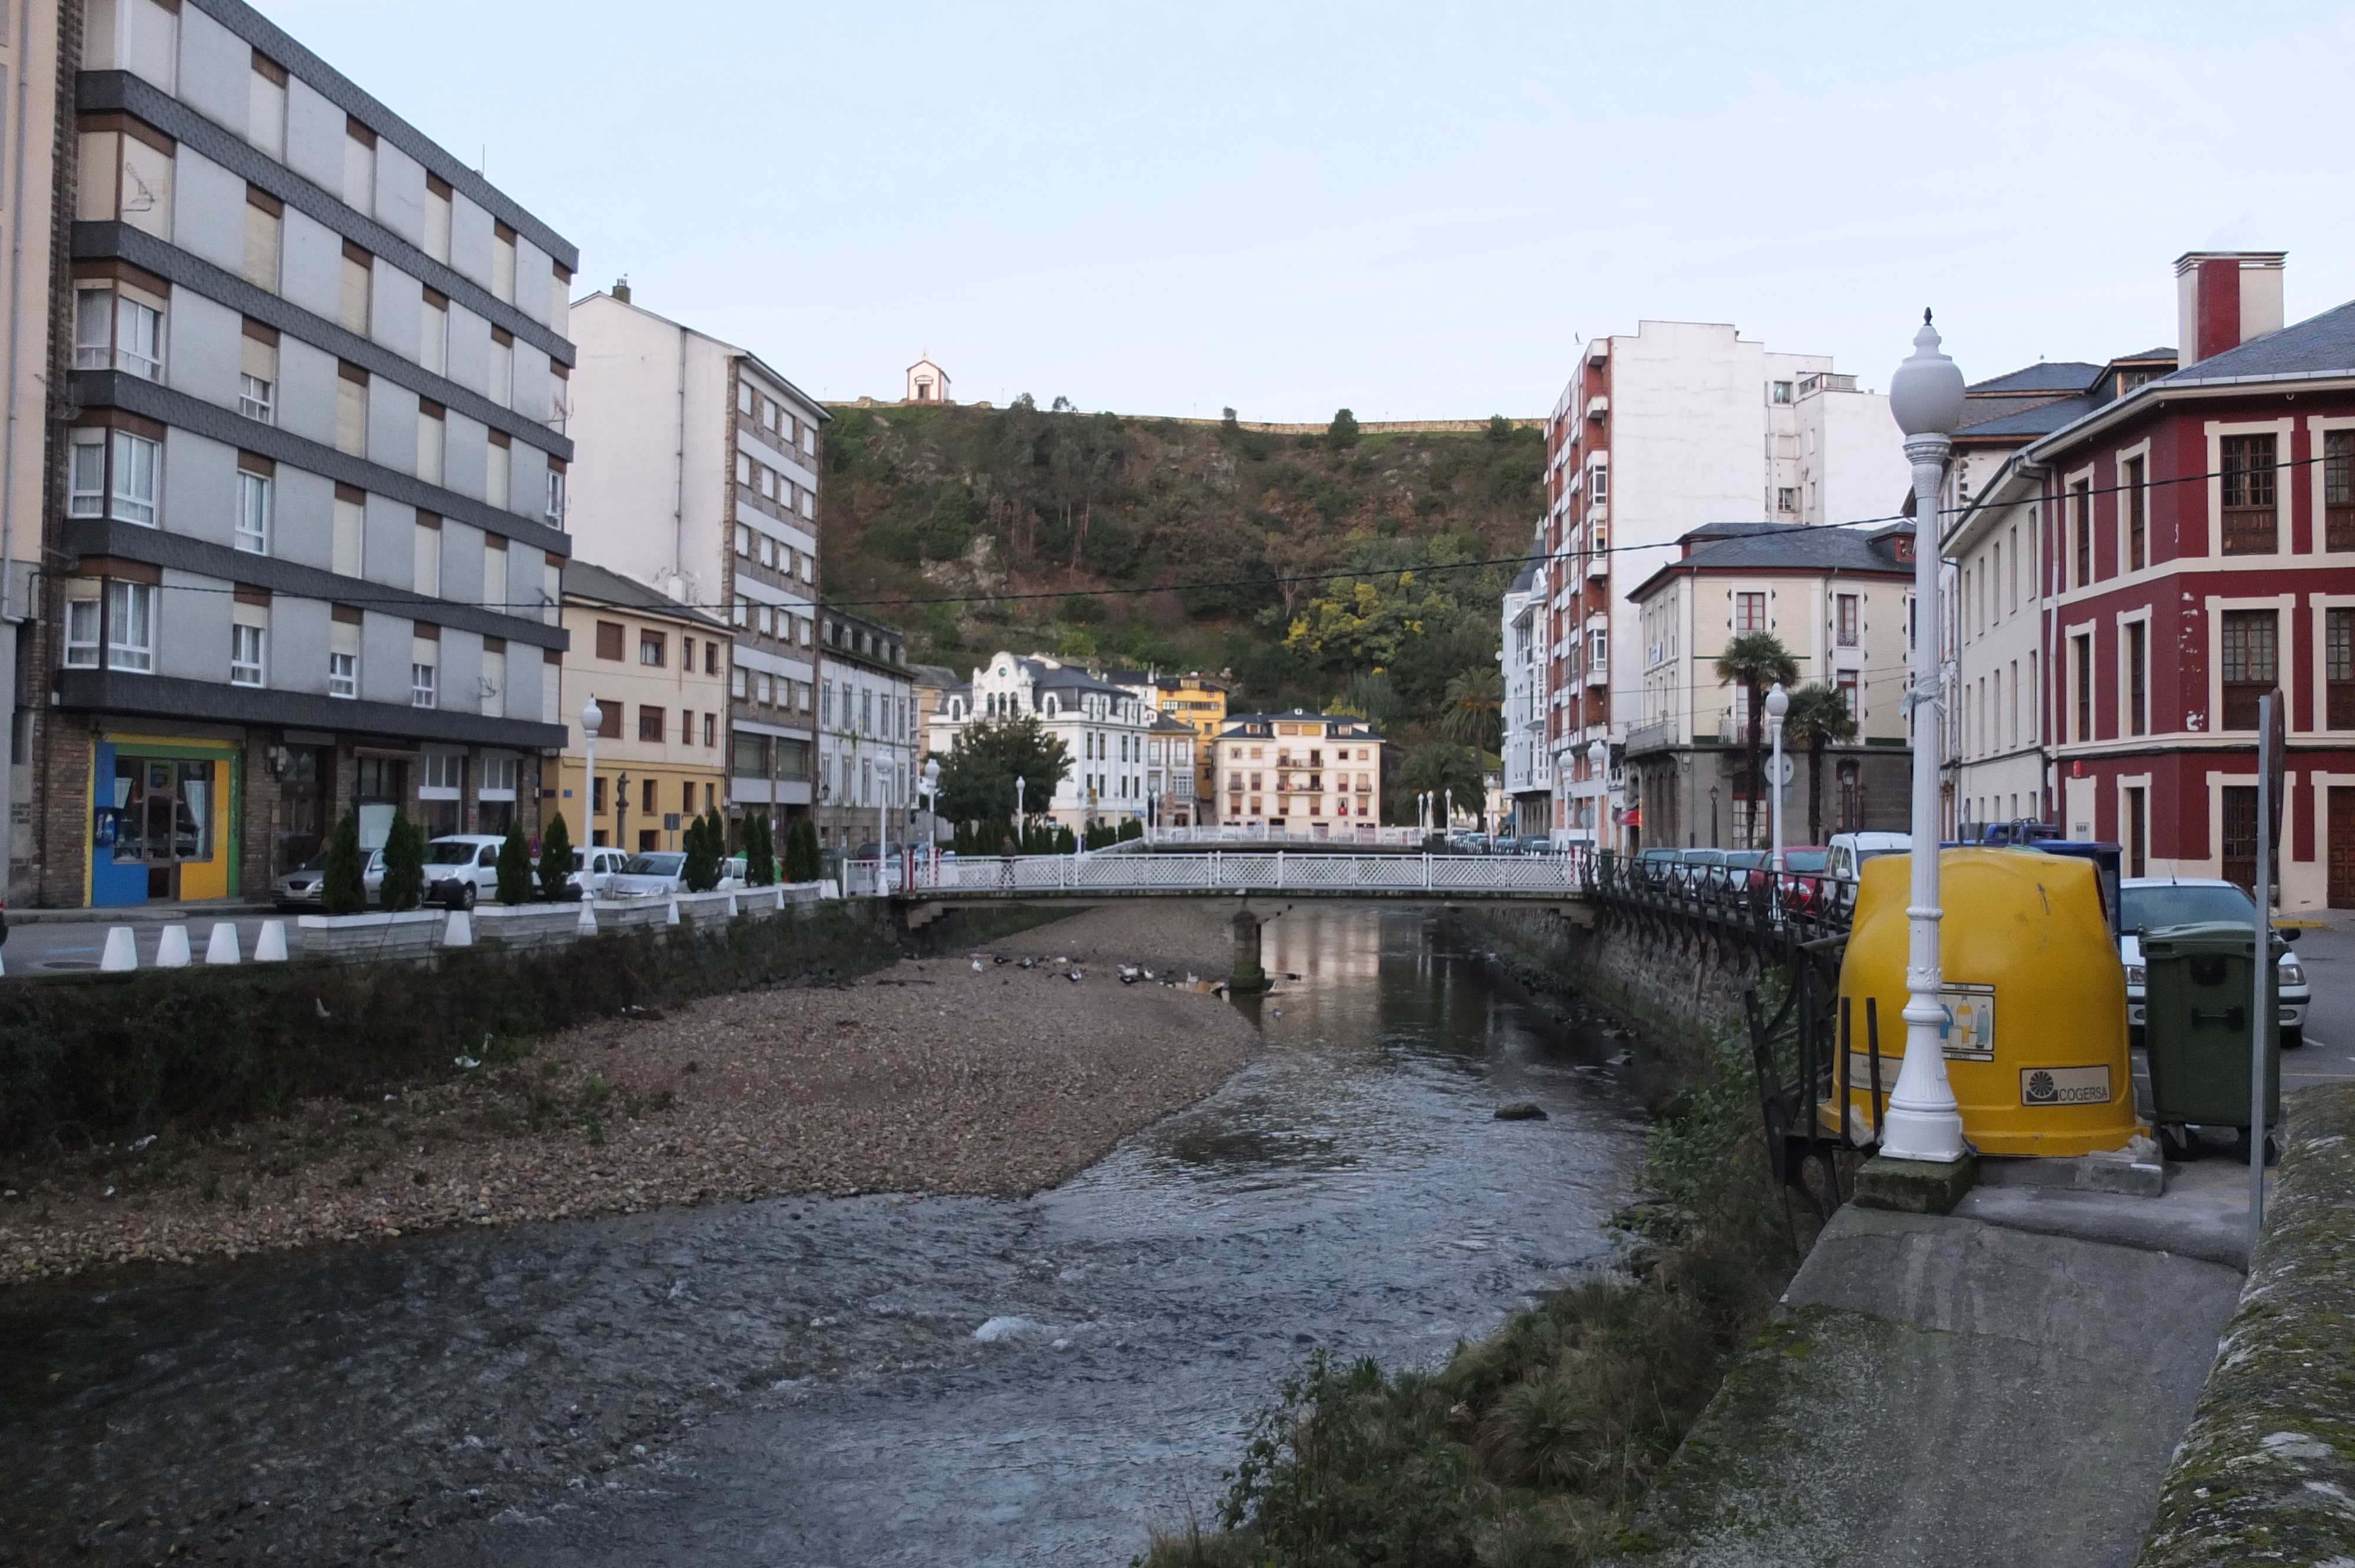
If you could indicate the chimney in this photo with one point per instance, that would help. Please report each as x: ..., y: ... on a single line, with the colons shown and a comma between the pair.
x: 621, y: 292
x: 2224, y: 298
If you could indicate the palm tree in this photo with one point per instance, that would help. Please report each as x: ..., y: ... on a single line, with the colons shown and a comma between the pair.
x: 1475, y: 705
x: 1818, y: 717
x: 1755, y: 660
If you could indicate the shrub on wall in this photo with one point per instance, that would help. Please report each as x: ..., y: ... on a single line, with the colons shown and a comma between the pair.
x: 404, y: 865
x: 343, y: 886
x: 514, y: 867
x: 555, y: 858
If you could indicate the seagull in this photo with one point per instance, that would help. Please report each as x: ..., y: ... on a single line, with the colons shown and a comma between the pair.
x: 1030, y: 963
x: 1128, y: 974
x: 1146, y: 973
x: 1076, y: 976
x: 979, y: 966
x: 469, y: 1063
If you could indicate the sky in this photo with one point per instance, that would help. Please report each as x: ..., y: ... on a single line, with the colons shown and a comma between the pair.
x: 1416, y: 212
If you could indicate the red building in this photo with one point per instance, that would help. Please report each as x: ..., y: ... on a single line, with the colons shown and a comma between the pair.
x: 2199, y: 536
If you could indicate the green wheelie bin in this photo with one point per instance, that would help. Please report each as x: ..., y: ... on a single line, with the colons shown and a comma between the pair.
x: 2196, y: 992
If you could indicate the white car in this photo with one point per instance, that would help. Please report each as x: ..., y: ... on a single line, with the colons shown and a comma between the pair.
x: 593, y: 870
x: 661, y: 874
x: 460, y: 868
x: 2147, y: 902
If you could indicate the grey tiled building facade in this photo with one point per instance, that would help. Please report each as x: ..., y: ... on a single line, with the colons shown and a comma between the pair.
x: 307, y: 492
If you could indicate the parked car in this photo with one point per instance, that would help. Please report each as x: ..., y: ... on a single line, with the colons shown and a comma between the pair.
x: 1658, y: 867
x: 1806, y: 890
x: 2148, y: 903
x: 461, y: 867
x: 1844, y: 867
x: 1743, y: 874
x: 650, y: 874
x: 1699, y: 870
x: 593, y: 869
x: 303, y: 887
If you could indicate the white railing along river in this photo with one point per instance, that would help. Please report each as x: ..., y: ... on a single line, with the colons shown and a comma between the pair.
x: 1219, y: 871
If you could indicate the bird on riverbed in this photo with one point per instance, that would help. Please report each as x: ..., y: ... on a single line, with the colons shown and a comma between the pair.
x: 979, y: 966
x: 1076, y: 976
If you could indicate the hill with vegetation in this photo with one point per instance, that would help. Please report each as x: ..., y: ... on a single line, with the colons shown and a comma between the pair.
x: 1319, y: 569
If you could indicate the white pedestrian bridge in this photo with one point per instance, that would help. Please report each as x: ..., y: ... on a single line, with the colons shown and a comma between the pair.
x: 1220, y: 872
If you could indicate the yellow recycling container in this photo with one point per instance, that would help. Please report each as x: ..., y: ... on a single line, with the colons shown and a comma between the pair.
x: 2035, y: 999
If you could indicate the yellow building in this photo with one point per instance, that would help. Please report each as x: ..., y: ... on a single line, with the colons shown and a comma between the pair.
x: 1299, y: 772
x: 658, y: 672
x: 1200, y: 703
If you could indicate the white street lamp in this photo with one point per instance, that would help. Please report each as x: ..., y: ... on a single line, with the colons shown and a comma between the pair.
x: 1598, y: 757
x: 932, y: 804
x: 1778, y: 703
x: 1924, y: 1122
x: 592, y: 719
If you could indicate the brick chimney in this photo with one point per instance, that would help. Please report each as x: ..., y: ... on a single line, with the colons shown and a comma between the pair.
x: 2224, y: 298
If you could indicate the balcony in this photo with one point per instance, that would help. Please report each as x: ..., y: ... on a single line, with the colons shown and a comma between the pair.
x: 1657, y: 736
x: 1596, y: 407
x: 1598, y: 564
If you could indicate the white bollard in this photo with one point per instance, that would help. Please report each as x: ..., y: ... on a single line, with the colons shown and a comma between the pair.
x: 732, y: 910
x: 172, y: 948
x: 458, y: 931
x: 122, y: 949
x: 671, y: 918
x: 222, y: 949
x: 270, y: 947
x: 587, y: 925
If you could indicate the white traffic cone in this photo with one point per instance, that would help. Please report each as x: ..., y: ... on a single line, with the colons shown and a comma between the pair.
x: 270, y: 947
x: 122, y: 949
x: 459, y: 930
x: 172, y: 948
x: 222, y: 949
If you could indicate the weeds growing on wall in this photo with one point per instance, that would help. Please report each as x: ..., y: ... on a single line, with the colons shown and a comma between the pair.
x: 1534, y: 1446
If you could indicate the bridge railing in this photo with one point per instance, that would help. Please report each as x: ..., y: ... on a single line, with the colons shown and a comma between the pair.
x: 1217, y: 871
x: 1804, y: 905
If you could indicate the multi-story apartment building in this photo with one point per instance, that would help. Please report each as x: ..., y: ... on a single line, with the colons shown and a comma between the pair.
x: 700, y: 478
x: 1200, y: 703
x: 1103, y: 727
x: 658, y: 673
x: 1995, y: 767
x: 1840, y: 599
x: 1170, y: 747
x: 2198, y: 550
x: 1528, y: 781
x: 305, y: 552
x: 1661, y: 431
x: 1298, y: 772
x: 870, y: 743
x: 30, y: 84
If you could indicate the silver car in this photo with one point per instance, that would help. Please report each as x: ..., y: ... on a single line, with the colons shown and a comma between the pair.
x: 2147, y: 902
x: 304, y: 886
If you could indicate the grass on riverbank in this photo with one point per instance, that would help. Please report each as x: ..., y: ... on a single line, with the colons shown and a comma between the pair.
x: 1534, y: 1446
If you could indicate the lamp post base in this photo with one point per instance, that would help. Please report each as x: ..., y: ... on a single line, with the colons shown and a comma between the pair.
x: 1913, y: 1186
x: 1933, y: 1137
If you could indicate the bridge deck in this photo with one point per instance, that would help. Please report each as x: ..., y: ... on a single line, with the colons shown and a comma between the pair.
x: 1223, y: 873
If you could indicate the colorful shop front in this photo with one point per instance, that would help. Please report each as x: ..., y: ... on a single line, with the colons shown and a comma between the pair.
x: 165, y: 819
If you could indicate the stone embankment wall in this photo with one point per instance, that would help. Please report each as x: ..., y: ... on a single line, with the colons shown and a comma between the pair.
x: 1675, y: 979
x: 2267, y: 1473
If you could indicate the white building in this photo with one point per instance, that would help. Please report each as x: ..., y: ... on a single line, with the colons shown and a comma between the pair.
x: 927, y: 383
x: 1527, y: 783
x: 1661, y: 431
x: 699, y: 477
x: 1105, y: 727
x: 870, y: 741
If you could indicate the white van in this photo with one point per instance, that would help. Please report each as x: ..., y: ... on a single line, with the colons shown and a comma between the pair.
x: 1844, y: 866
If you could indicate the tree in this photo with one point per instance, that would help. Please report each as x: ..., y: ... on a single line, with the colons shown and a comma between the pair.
x: 1343, y: 431
x: 404, y: 865
x: 701, y: 872
x: 1475, y: 705
x: 760, y: 853
x: 514, y: 867
x: 1818, y: 717
x: 1369, y: 695
x: 1755, y: 661
x: 555, y: 858
x: 343, y: 886
x: 1439, y: 767
x: 978, y: 774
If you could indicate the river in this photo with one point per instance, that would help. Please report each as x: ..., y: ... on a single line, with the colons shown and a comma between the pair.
x: 855, y: 1381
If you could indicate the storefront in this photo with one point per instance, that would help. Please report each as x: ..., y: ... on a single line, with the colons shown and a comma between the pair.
x: 165, y: 819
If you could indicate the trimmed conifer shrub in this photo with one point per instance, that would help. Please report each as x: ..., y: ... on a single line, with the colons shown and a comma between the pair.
x: 555, y: 858
x: 404, y: 865
x: 343, y: 887
x: 760, y: 853
x: 514, y: 867
x: 702, y: 869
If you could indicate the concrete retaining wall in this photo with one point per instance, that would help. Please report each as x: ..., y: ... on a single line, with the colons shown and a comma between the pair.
x: 1677, y: 983
x: 2267, y: 1473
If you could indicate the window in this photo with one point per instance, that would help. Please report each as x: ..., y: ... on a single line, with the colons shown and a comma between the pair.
x: 265, y: 108
x: 555, y: 494
x: 344, y: 658
x: 2083, y: 647
x: 2137, y: 678
x: 351, y: 410
x: 116, y: 332
x: 609, y: 640
x: 711, y: 729
x: 2239, y: 845
x: 426, y: 559
x: 652, y: 647
x: 433, y: 333
x: 2338, y: 490
x: 433, y: 442
x: 650, y: 724
x: 350, y: 531
x: 2137, y: 518
x: 1786, y: 498
x: 497, y: 482
x: 126, y: 175
x: 2137, y: 832
x: 359, y: 166
x: 2338, y: 667
x: 245, y: 655
x: 1782, y: 391
x: 359, y: 277
x: 437, y: 217
x: 130, y: 626
x: 422, y: 678
x: 1851, y: 619
x: 2251, y: 665
x: 503, y: 262
x: 2081, y: 524
x: 1749, y: 612
x: 501, y: 368
x: 81, y: 626
x: 1597, y: 483
x: 112, y: 473
x: 2011, y: 580
x: 264, y: 219
x: 2249, y: 522
x: 737, y: 685
x: 252, y: 511
x: 743, y: 540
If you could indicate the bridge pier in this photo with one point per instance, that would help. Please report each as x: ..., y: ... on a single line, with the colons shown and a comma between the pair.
x: 1248, y: 977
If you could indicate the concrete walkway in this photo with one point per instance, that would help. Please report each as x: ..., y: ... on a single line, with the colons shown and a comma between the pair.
x: 2000, y: 1388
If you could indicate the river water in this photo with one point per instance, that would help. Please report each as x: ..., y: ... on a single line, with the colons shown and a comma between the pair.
x: 862, y: 1382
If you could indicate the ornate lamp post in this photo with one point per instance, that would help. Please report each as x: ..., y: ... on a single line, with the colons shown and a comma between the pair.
x: 1778, y: 703
x: 1598, y: 757
x: 592, y: 719
x: 932, y: 804
x: 1924, y: 1122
